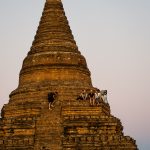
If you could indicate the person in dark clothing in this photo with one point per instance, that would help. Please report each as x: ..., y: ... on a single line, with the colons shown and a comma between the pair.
x: 91, y: 96
x: 51, y: 99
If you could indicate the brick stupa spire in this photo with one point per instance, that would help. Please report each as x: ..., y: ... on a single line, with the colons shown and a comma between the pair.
x: 54, y: 59
x: 54, y: 64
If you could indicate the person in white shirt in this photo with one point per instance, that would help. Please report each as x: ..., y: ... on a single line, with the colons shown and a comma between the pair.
x: 104, y: 96
x: 97, y: 97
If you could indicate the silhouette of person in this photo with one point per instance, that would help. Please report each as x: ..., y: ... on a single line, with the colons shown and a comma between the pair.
x: 51, y: 99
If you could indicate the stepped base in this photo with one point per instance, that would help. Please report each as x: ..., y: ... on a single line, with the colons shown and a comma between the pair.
x: 71, y: 125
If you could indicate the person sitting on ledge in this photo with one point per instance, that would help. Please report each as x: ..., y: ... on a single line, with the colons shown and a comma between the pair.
x: 51, y: 99
x: 104, y: 96
x: 97, y: 97
x: 82, y: 96
x: 91, y: 96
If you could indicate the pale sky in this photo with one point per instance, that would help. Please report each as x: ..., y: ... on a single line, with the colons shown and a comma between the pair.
x: 114, y: 37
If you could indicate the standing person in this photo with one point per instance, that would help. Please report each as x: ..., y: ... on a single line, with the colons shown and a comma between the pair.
x: 97, y: 97
x: 51, y: 99
x: 91, y: 96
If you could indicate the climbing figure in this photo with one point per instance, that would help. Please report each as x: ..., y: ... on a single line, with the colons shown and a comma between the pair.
x: 91, y: 96
x: 51, y: 99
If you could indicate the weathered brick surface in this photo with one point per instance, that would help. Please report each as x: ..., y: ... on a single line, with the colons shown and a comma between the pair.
x: 54, y: 63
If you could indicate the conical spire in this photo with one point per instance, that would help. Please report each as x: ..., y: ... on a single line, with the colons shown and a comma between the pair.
x: 54, y: 57
x: 54, y: 33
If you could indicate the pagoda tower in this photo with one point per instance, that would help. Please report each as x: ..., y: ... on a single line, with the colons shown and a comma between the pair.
x: 54, y: 64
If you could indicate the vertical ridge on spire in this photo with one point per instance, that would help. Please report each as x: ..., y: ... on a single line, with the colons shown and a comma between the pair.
x: 54, y: 33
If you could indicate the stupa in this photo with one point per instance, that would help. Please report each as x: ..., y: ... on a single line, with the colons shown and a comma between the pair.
x: 54, y: 64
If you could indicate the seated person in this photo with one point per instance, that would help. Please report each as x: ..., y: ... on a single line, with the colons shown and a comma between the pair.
x: 104, y: 96
x: 97, y: 97
x: 82, y: 96
x: 91, y: 96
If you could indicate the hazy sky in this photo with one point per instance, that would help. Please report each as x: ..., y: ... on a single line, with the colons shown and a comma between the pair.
x: 113, y: 35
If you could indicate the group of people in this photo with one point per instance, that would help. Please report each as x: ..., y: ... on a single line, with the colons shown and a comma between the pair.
x: 94, y: 96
